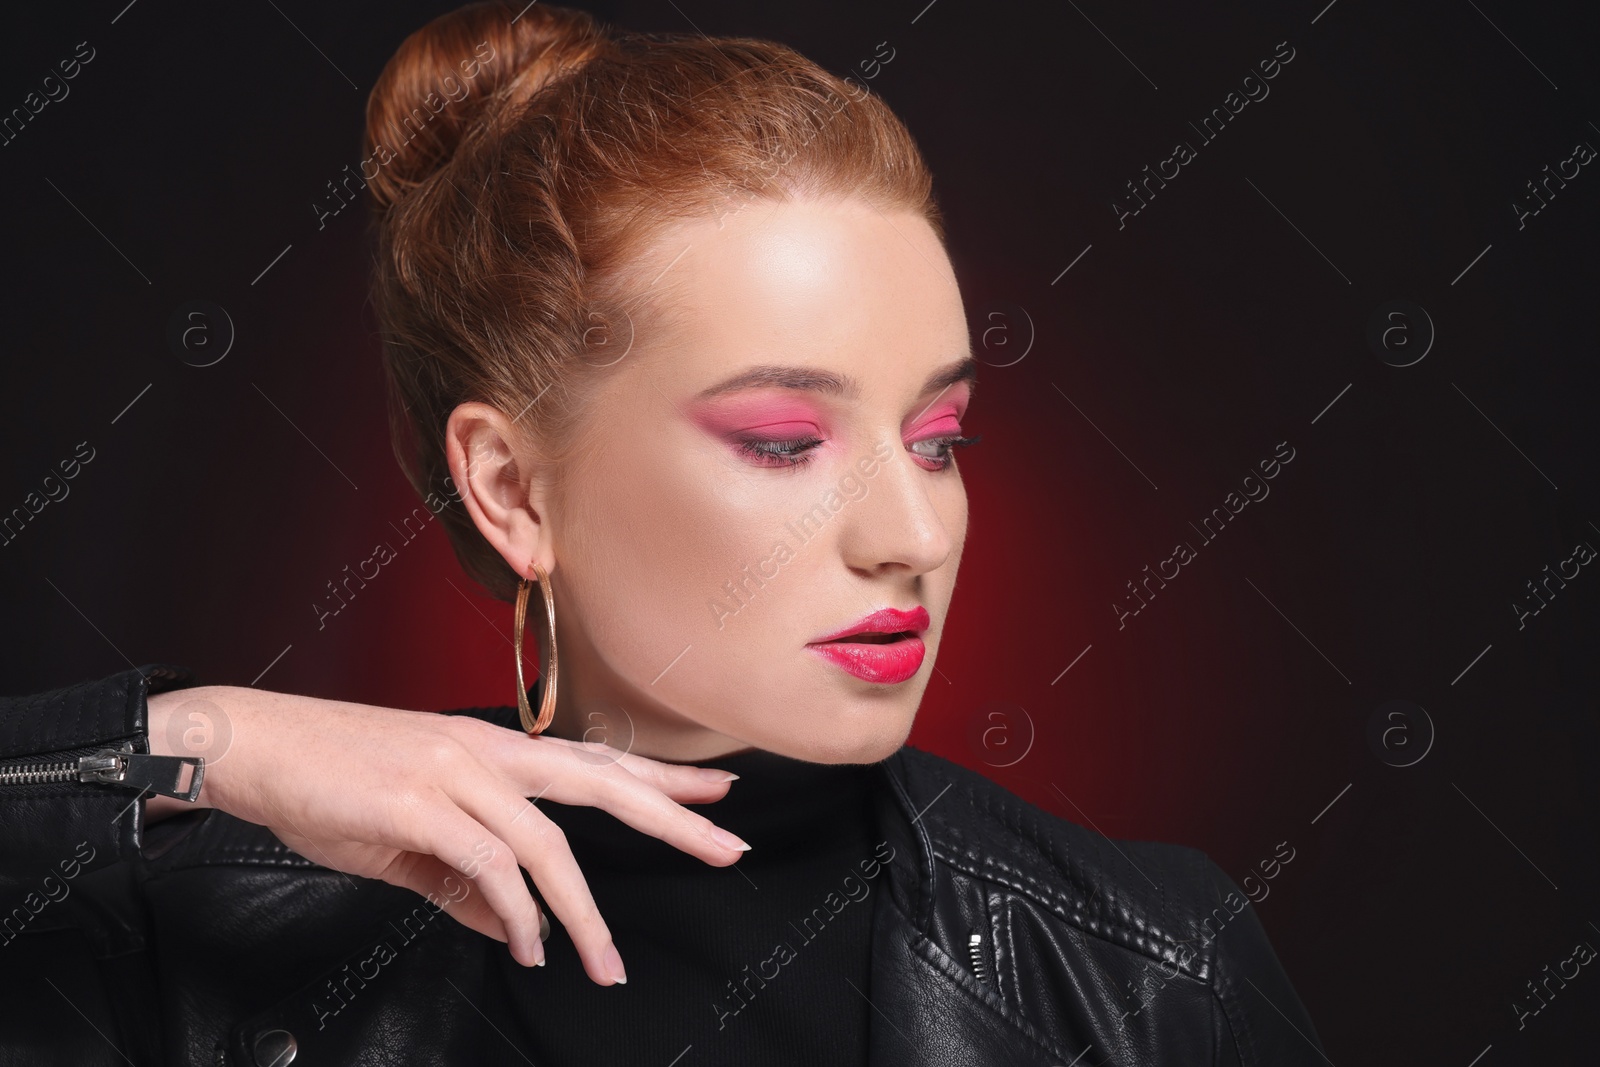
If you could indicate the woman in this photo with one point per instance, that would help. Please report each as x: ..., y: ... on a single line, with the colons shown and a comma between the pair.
x: 672, y: 335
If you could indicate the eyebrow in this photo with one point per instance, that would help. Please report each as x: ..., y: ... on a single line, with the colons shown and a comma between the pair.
x: 821, y: 381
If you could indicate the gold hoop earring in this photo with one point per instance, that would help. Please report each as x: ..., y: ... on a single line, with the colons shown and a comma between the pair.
x: 547, y: 702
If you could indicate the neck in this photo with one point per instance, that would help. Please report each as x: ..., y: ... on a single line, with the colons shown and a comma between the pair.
x: 591, y: 711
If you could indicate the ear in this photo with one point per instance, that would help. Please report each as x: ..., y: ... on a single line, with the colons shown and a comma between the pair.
x: 504, y: 496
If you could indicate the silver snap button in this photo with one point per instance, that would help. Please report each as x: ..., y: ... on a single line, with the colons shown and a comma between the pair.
x: 275, y: 1048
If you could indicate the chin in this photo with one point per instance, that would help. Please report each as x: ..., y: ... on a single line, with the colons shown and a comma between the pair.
x: 853, y: 741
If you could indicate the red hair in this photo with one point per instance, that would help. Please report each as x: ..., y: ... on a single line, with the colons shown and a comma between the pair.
x: 526, y: 162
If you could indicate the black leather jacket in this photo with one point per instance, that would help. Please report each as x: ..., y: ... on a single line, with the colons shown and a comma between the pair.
x: 1005, y: 935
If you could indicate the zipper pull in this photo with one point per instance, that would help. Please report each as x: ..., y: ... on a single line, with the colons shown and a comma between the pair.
x: 975, y: 949
x: 139, y: 770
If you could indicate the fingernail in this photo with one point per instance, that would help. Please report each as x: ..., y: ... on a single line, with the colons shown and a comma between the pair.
x: 538, y: 954
x: 727, y: 840
x: 544, y: 927
x: 711, y: 774
x: 613, y: 962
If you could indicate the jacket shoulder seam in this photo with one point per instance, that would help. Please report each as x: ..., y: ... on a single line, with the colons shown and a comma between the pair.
x: 1122, y: 935
x: 1075, y: 893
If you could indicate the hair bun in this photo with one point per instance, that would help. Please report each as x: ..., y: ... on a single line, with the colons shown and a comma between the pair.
x: 461, y: 69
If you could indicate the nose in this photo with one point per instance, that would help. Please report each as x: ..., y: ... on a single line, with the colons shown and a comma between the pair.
x: 896, y: 525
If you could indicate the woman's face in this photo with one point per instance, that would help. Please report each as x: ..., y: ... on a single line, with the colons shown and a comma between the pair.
x: 773, y: 471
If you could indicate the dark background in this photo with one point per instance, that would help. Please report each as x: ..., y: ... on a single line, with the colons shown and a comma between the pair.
x: 1246, y: 710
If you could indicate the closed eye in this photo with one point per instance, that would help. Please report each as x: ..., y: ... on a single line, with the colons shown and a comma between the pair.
x: 791, y: 453
x: 944, y: 448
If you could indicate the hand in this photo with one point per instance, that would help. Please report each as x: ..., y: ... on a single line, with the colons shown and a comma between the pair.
x: 413, y: 798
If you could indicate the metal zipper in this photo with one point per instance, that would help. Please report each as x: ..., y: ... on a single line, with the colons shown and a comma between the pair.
x: 975, y: 949
x: 120, y: 766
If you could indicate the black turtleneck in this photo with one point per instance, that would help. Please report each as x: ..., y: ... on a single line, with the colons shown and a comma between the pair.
x: 763, y: 962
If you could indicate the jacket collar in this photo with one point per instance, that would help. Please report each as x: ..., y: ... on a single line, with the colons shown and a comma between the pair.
x: 928, y: 1007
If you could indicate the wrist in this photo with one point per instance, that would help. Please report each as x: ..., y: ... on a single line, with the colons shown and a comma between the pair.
x: 189, y: 722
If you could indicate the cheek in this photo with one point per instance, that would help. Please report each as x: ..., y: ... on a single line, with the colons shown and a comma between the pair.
x: 657, y: 533
x: 951, y: 504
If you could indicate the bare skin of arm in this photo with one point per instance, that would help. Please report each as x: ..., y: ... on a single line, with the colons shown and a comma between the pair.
x: 414, y: 798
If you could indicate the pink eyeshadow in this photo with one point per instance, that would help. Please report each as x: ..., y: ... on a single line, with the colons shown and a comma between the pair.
x: 939, y: 420
x: 777, y: 417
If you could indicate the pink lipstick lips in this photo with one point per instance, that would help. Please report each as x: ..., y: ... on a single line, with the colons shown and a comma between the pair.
x: 884, y: 647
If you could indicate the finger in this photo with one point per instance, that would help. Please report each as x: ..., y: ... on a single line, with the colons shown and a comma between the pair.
x: 646, y: 809
x: 687, y: 785
x: 541, y: 846
x: 679, y: 781
x: 442, y: 829
x: 434, y: 879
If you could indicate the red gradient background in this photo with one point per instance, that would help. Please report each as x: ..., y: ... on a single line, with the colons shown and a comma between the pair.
x: 1180, y: 348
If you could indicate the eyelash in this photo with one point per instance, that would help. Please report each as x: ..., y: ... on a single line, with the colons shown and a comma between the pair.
x: 796, y: 452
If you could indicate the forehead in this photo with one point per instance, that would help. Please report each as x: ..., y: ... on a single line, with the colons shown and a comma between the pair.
x: 836, y: 284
